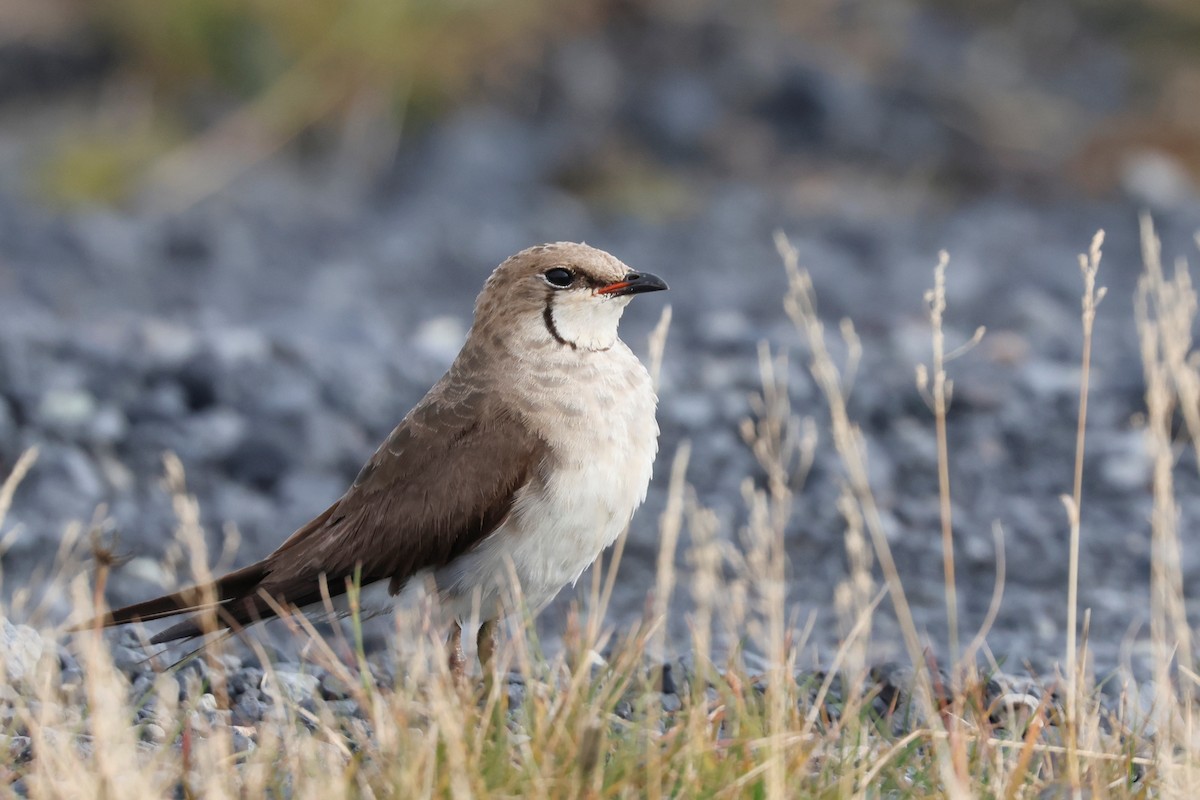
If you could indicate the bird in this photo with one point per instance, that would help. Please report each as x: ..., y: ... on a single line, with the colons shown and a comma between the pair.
x: 524, y: 461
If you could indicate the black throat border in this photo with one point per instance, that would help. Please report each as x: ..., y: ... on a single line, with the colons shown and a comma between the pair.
x: 548, y: 318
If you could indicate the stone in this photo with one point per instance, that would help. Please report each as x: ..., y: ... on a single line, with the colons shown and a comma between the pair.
x: 23, y: 648
x: 439, y: 339
x: 296, y: 687
x: 65, y: 411
x: 334, y: 688
x: 248, y: 710
x: 153, y: 732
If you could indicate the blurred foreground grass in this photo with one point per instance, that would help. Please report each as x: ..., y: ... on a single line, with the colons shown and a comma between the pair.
x: 738, y: 730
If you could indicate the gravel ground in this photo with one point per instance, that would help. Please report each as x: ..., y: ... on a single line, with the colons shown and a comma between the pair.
x: 271, y: 334
x: 282, y: 702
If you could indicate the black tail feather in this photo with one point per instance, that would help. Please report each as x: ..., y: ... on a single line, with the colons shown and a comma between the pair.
x: 237, y: 585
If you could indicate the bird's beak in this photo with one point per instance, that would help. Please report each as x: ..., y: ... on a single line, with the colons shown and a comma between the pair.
x: 634, y: 283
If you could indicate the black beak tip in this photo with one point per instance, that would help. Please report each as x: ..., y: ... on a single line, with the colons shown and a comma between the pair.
x: 645, y: 282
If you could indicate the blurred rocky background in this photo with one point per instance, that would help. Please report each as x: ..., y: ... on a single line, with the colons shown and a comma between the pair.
x: 249, y: 232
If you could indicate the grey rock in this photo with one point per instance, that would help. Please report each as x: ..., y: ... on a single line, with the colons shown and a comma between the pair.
x: 258, y: 460
x: 154, y: 733
x: 167, y: 345
x: 296, y: 687
x: 247, y: 711
x: 162, y: 400
x: 217, y: 432
x: 1156, y: 179
x: 66, y: 659
x: 141, y: 688
x: 243, y: 743
x: 515, y: 687
x: 65, y: 411
x: 694, y: 412
x: 20, y: 749
x: 23, y: 649
x: 107, y: 427
x: 344, y: 709
x: 334, y: 688
x: 439, y: 339
x: 246, y: 680
x: 8, y: 428
x: 71, y: 682
x: 131, y: 660
x: 1126, y: 462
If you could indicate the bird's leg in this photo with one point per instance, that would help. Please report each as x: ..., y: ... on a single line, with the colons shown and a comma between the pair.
x: 458, y: 661
x: 485, y: 643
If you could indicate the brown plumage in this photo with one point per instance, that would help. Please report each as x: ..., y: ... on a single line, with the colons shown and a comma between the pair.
x: 452, y: 472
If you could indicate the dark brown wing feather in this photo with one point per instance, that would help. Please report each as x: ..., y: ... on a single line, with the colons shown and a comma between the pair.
x: 445, y: 478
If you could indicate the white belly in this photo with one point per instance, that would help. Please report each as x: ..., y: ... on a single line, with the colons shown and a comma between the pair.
x: 554, y: 534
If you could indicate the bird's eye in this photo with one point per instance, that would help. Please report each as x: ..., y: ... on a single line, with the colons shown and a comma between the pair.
x: 558, y: 277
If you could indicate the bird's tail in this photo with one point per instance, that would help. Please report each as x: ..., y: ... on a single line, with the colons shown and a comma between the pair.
x: 217, y: 597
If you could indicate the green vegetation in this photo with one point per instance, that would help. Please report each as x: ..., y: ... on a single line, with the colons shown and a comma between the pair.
x: 232, y: 81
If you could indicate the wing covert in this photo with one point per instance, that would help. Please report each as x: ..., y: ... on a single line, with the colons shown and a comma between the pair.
x: 445, y: 478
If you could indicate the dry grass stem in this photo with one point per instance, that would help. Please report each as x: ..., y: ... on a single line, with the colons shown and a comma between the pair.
x: 1089, y: 265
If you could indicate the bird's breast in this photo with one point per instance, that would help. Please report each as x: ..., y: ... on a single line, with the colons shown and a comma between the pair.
x: 603, y: 438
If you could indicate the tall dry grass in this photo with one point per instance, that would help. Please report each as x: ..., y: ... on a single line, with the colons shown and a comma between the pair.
x: 592, y: 721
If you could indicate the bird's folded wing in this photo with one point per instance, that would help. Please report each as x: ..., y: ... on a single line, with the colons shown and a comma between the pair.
x: 446, y: 477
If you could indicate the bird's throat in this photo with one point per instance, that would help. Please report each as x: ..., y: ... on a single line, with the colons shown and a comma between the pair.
x: 582, y: 321
x: 552, y: 326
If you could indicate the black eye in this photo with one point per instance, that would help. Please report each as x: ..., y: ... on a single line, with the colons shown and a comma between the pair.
x: 558, y: 277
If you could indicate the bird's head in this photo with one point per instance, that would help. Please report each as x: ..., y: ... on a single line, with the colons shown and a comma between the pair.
x: 567, y: 294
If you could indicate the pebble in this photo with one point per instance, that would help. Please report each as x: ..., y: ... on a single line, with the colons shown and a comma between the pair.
x: 207, y: 703
x: 247, y: 680
x: 440, y: 338
x: 1126, y: 462
x: 154, y: 733
x: 345, y: 709
x: 131, y: 660
x: 296, y: 687
x: 243, y: 743
x: 516, y: 691
x: 23, y: 648
x: 8, y: 428
x: 65, y: 411
x: 248, y: 710
x: 1156, y: 179
x: 142, y: 686
x: 334, y: 688
x: 20, y: 748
